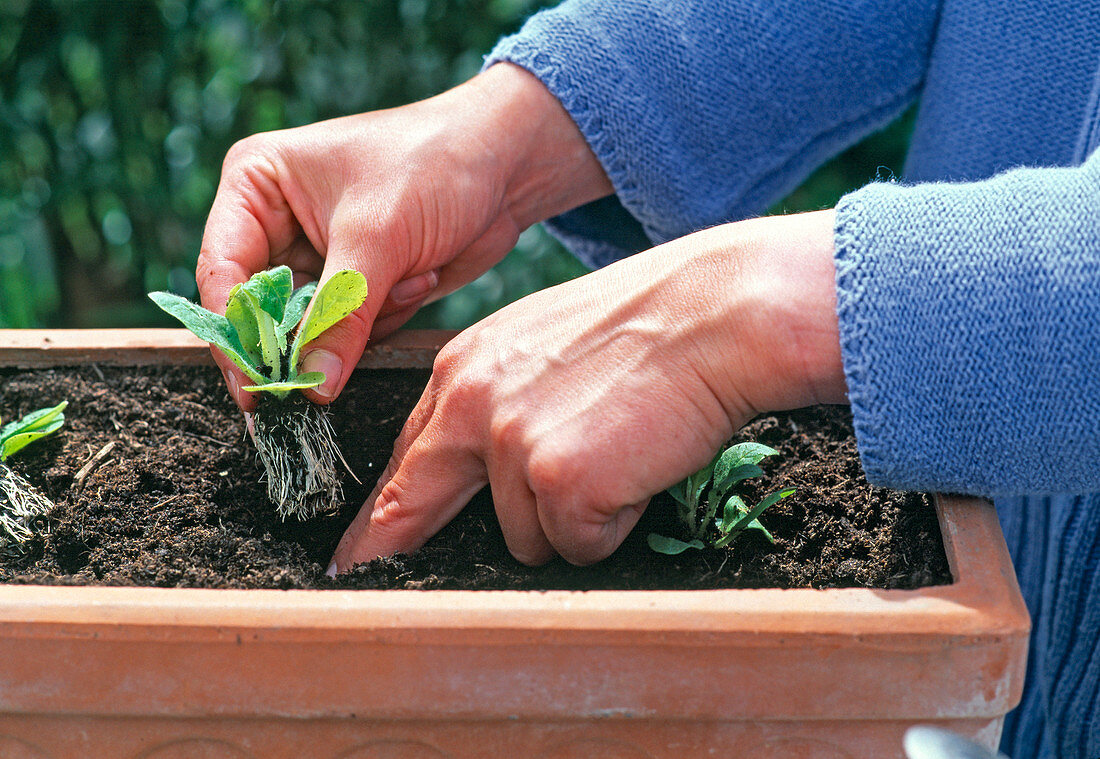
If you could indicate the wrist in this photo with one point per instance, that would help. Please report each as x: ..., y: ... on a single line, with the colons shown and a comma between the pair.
x: 543, y: 161
x: 797, y: 277
x: 778, y: 330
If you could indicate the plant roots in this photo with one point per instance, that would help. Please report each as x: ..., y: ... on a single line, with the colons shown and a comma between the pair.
x: 298, y: 449
x: 23, y: 513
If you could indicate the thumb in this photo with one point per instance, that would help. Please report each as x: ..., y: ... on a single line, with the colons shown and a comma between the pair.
x: 337, y: 350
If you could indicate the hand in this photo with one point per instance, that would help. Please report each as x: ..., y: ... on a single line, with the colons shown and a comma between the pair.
x: 421, y: 199
x: 577, y: 403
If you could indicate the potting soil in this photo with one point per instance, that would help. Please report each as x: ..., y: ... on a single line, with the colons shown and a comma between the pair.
x: 156, y: 483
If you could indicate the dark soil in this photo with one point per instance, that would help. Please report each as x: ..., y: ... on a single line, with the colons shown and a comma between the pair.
x: 170, y: 496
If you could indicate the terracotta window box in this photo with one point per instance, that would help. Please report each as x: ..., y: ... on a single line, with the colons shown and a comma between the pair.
x: 789, y: 674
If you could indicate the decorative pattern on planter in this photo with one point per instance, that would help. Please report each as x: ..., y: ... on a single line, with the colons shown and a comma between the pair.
x: 195, y: 748
x: 395, y: 750
x: 14, y: 748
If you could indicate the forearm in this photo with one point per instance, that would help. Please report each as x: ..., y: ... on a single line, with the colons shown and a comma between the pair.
x: 708, y: 112
x: 970, y: 320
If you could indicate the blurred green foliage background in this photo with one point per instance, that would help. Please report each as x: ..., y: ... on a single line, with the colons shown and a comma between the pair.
x: 115, y: 117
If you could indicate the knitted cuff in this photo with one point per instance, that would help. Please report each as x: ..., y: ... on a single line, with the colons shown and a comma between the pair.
x: 970, y: 326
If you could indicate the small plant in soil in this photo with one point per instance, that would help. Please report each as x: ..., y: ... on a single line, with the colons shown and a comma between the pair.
x: 711, y: 513
x: 22, y: 508
x: 263, y: 333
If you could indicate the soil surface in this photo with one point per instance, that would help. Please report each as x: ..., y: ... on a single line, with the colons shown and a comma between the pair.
x: 156, y: 483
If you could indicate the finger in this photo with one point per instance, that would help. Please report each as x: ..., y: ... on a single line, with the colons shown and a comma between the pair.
x: 517, y: 513
x: 248, y: 220
x: 414, y: 425
x: 234, y: 381
x: 342, y: 558
x: 302, y: 258
x: 433, y: 482
x: 583, y: 535
x: 388, y: 324
x: 337, y: 350
x: 409, y: 292
x: 476, y: 259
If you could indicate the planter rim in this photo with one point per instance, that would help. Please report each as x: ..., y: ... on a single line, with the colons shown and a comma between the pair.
x: 42, y: 348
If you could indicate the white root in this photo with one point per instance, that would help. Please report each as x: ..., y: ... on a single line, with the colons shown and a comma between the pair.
x: 298, y: 449
x: 22, y: 513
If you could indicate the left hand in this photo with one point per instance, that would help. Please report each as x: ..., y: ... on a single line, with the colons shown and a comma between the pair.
x: 578, y: 403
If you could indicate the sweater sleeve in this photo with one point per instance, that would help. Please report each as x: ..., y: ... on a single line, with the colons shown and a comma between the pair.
x: 709, y: 111
x: 970, y: 331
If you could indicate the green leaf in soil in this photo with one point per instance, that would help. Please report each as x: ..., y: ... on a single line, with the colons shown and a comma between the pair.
x: 670, y: 546
x: 751, y: 516
x: 734, y: 509
x: 16, y: 435
x: 732, y: 464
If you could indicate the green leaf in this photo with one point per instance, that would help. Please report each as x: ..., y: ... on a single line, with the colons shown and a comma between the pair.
x: 272, y: 290
x: 752, y: 514
x: 208, y: 326
x: 18, y: 434
x: 344, y: 292
x: 697, y: 483
x: 240, y: 311
x: 740, y: 455
x: 670, y: 546
x: 301, y: 382
x: 733, y: 510
x: 33, y: 420
x: 679, y: 492
x: 295, y: 310
x: 256, y: 309
x: 755, y: 525
x: 731, y: 514
x: 734, y: 476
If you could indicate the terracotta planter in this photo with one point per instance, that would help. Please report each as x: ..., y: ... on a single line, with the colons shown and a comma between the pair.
x: 835, y: 674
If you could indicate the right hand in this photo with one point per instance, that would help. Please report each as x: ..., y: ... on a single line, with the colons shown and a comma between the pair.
x: 577, y: 403
x: 422, y: 199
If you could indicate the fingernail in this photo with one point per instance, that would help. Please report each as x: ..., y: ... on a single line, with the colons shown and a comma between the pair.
x: 330, y: 364
x: 414, y: 288
x: 331, y: 571
x: 234, y: 387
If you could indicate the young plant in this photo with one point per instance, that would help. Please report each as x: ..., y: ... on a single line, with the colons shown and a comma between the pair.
x: 699, y: 506
x: 21, y: 506
x: 263, y: 333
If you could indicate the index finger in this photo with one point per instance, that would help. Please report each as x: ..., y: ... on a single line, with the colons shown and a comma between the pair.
x: 248, y: 220
x: 419, y: 494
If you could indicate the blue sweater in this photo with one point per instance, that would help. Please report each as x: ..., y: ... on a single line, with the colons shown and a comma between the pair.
x: 968, y: 294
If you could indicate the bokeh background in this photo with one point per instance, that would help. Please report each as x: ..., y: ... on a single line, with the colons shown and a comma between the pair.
x: 115, y: 116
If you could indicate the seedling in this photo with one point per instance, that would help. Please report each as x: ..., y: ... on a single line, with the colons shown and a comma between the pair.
x: 700, y: 514
x: 22, y: 508
x: 263, y: 333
